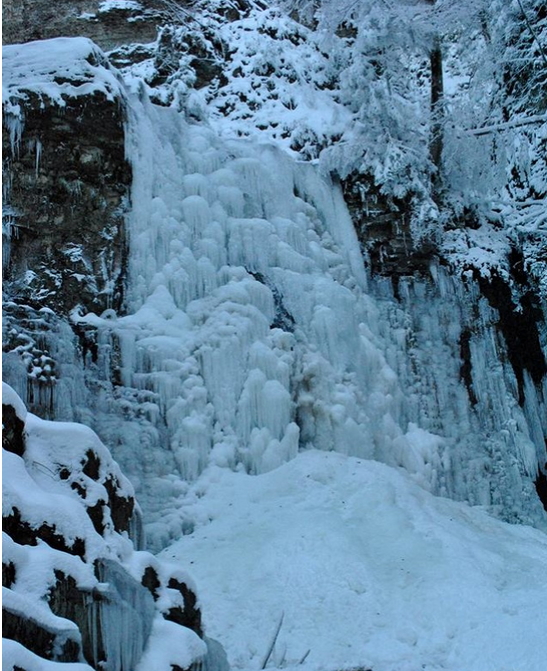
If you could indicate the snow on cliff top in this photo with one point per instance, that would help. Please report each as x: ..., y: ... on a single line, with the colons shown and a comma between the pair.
x: 56, y: 69
x: 369, y: 571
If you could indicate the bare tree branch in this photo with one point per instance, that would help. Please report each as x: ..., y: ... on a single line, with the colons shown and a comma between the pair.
x: 272, y: 644
x: 533, y: 32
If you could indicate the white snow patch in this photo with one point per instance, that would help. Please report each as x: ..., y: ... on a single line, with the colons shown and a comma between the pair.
x: 368, y: 570
x: 15, y: 655
x: 110, y: 5
x: 170, y: 644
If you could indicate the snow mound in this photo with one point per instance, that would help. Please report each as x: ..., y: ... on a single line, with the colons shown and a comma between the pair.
x: 14, y: 655
x: 367, y: 569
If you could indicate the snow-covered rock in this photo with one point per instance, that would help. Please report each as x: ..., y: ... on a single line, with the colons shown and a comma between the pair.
x: 75, y: 586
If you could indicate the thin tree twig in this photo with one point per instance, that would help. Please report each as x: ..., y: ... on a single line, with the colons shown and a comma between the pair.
x: 485, y: 130
x: 272, y: 644
x: 304, y: 657
x: 531, y: 29
x: 175, y: 10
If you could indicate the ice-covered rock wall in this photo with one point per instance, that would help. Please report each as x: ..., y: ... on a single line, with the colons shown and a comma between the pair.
x: 461, y: 387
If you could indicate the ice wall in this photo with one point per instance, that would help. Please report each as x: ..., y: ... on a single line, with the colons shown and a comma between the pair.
x: 252, y: 333
x: 461, y: 388
x: 245, y: 338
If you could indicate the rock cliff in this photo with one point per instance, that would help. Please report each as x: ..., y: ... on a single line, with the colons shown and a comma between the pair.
x: 67, y: 179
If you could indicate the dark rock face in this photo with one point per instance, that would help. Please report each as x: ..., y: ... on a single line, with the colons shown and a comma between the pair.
x: 466, y: 369
x: 383, y: 228
x: 68, y: 192
x: 519, y: 327
x: 9, y: 574
x: 26, y: 20
x: 13, y: 437
x: 150, y: 580
x: 121, y: 507
x: 541, y: 486
x: 23, y: 533
x: 190, y: 615
x: 61, y: 646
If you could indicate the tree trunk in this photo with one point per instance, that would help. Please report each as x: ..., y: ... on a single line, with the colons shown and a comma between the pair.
x: 437, y: 113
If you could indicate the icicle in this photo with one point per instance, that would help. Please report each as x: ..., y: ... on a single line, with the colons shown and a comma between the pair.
x: 136, y: 529
x: 125, y: 616
x: 10, y: 230
x: 38, y: 150
x: 14, y: 122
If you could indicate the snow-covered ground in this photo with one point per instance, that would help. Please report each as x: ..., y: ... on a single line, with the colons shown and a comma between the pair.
x: 367, y: 569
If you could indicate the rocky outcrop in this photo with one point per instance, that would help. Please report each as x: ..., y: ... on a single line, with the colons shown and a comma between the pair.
x: 507, y: 282
x: 383, y: 225
x: 12, y: 431
x: 66, y: 196
x: 121, y: 614
x: 108, y: 24
x: 77, y: 588
x: 47, y: 642
x: 67, y: 181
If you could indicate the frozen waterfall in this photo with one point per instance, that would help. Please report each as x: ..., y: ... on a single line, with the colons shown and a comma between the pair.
x: 252, y: 332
